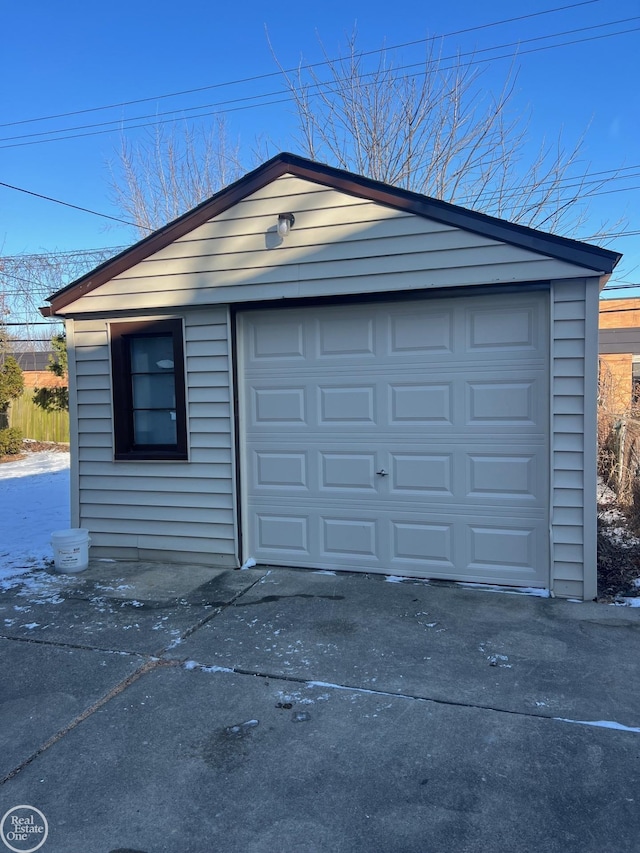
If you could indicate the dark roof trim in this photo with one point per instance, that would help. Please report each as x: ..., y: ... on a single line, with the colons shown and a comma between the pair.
x: 561, y: 248
x: 33, y: 360
x: 618, y: 341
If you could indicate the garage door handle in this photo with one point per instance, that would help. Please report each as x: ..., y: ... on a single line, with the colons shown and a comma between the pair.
x: 382, y: 473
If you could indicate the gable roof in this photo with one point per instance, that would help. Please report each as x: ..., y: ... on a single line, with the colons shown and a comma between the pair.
x: 581, y: 254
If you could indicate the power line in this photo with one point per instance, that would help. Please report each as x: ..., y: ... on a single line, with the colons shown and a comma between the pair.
x: 62, y: 254
x: 579, y: 183
x: 620, y: 235
x: 488, y: 193
x: 117, y: 249
x: 74, y: 206
x: 612, y: 192
x: 258, y: 100
x: 122, y: 121
x: 309, y: 66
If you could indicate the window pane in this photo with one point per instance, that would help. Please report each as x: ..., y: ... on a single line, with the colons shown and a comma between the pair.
x: 154, y: 391
x: 154, y: 427
x: 153, y: 354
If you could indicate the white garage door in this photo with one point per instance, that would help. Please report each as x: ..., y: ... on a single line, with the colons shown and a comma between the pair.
x: 408, y: 438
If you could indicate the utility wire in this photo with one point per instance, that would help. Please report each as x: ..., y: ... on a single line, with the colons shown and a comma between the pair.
x: 74, y: 206
x: 541, y: 185
x: 117, y: 249
x: 257, y: 100
x: 60, y: 254
x: 613, y: 172
x: 608, y: 288
x: 307, y: 67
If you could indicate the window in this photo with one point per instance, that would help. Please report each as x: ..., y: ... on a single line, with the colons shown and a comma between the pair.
x: 149, y: 411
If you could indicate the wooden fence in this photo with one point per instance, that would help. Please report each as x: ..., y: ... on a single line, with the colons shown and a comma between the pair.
x: 35, y: 423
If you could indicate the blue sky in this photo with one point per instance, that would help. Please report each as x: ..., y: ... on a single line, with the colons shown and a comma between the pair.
x: 62, y: 57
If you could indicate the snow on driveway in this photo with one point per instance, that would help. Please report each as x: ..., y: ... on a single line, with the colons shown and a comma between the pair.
x: 34, y: 500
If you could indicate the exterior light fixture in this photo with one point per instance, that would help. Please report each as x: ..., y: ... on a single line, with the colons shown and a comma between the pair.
x: 285, y: 223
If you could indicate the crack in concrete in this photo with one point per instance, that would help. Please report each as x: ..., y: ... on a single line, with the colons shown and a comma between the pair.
x: 209, y: 617
x: 152, y: 662
x: 77, y: 646
x: 148, y: 666
x: 294, y: 679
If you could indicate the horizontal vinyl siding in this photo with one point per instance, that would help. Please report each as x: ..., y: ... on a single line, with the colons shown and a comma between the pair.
x: 568, y: 441
x: 338, y: 245
x: 184, y: 510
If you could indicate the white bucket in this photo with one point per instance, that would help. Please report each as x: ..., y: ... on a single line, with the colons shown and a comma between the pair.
x: 71, y: 549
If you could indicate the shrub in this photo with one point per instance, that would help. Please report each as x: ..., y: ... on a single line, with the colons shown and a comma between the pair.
x: 10, y: 441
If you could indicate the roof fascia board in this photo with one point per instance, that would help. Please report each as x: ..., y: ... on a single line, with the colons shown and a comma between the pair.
x: 189, y: 221
x: 562, y: 248
x: 571, y: 251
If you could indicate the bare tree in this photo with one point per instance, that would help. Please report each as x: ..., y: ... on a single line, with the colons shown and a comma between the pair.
x: 27, y: 280
x: 170, y: 171
x: 435, y: 129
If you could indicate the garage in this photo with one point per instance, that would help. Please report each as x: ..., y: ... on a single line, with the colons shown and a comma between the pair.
x: 404, y: 437
x: 317, y: 370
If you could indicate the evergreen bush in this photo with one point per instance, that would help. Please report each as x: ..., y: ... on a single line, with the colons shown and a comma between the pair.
x: 10, y: 441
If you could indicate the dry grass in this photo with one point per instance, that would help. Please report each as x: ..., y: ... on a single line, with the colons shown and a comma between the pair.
x: 618, y: 568
x: 31, y: 446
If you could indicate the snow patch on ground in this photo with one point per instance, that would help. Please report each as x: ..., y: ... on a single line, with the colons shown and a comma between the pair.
x: 38, y: 587
x: 509, y: 590
x: 605, y: 495
x: 613, y: 523
x: 34, y: 501
x: 192, y: 664
x: 614, y: 527
x: 602, y: 724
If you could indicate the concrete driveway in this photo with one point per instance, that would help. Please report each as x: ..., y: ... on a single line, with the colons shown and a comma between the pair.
x: 150, y: 709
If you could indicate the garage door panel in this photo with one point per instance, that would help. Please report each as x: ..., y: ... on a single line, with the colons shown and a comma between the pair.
x: 423, y: 542
x: 421, y: 473
x: 473, y: 475
x: 277, y: 339
x: 421, y: 334
x: 408, y: 438
x: 286, y: 532
x: 492, y: 475
x: 504, y: 402
x: 338, y: 337
x: 510, y: 329
x: 279, y: 406
x: 347, y: 403
x: 508, y: 546
x: 349, y: 537
x: 427, y: 402
x: 347, y: 471
x: 280, y: 470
